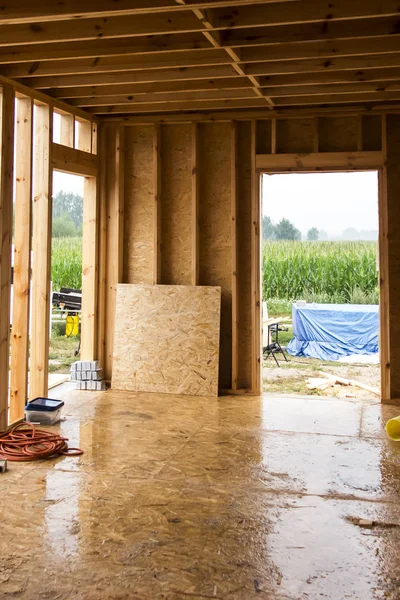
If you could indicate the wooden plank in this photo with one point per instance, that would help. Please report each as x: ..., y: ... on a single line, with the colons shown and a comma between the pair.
x: 84, y: 142
x: 384, y: 310
x: 157, y: 202
x: 195, y: 206
x: 22, y: 259
x: 255, y: 267
x: 93, y: 79
x: 152, y: 354
x: 41, y: 252
x: 89, y: 270
x: 115, y: 229
x: 320, y: 160
x: 234, y: 202
x: 67, y: 130
x: 6, y: 210
x: 94, y: 138
x: 73, y: 161
x: 102, y: 247
x: 47, y: 10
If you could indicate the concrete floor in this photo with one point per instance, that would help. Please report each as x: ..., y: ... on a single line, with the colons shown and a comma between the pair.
x: 234, y: 498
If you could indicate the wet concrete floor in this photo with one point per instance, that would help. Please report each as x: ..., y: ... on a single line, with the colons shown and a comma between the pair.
x: 234, y: 498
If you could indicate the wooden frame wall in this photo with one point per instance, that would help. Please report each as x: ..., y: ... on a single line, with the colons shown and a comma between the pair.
x: 36, y: 157
x: 239, y: 150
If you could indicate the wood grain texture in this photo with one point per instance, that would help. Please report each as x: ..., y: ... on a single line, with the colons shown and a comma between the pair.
x: 139, y: 205
x: 244, y: 254
x: 176, y: 213
x: 338, y: 134
x: 294, y: 135
x: 167, y: 339
x: 215, y: 230
x: 22, y: 259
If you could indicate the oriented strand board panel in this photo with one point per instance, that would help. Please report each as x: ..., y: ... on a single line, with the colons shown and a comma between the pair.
x: 176, y: 204
x: 243, y: 235
x: 295, y: 136
x: 215, y: 228
x: 338, y: 134
x: 371, y: 132
x: 167, y: 339
x: 139, y: 205
x: 264, y: 137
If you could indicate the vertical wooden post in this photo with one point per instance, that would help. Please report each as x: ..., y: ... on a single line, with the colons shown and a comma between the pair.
x: 359, y: 134
x: 102, y: 248
x: 315, y: 131
x: 195, y: 205
x: 67, y: 130
x: 235, y: 353
x: 157, y: 202
x: 89, y: 270
x: 384, y: 309
x: 94, y: 138
x: 84, y: 135
x: 22, y: 259
x: 6, y: 207
x: 255, y: 268
x: 273, y: 136
x: 115, y: 231
x: 41, y: 250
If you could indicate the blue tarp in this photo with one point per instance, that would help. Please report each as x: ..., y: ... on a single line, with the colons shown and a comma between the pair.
x: 329, y: 331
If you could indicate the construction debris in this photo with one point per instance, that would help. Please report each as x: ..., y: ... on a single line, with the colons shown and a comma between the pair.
x: 329, y: 380
x: 87, y: 374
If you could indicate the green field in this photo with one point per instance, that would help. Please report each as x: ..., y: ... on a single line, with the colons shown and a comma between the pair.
x: 337, y: 272
x: 66, y: 262
x: 326, y: 272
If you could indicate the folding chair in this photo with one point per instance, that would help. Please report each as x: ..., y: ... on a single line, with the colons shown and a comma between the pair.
x: 274, y: 346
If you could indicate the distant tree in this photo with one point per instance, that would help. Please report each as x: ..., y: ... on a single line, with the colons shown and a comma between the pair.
x: 268, y: 229
x: 323, y: 236
x: 313, y: 234
x: 70, y: 204
x: 285, y: 230
x: 63, y: 226
x: 350, y: 234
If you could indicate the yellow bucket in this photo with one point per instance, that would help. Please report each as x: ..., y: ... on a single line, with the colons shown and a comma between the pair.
x: 393, y: 429
x: 72, y: 326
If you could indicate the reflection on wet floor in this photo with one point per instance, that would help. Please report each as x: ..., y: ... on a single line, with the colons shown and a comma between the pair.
x: 236, y: 498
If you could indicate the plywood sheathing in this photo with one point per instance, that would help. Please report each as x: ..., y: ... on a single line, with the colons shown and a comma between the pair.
x: 338, y: 134
x: 176, y: 204
x: 371, y: 132
x: 215, y: 244
x: 139, y: 205
x: 243, y: 233
x: 295, y: 135
x: 167, y: 339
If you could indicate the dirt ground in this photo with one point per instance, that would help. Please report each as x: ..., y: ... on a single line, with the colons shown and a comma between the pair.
x: 291, y: 377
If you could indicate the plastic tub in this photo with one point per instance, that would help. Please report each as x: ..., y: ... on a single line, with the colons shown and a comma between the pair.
x: 45, y: 411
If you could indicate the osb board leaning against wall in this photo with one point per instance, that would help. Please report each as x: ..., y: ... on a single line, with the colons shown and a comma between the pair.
x: 166, y: 339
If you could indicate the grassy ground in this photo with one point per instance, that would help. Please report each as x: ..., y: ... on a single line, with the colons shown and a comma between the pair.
x: 61, y: 354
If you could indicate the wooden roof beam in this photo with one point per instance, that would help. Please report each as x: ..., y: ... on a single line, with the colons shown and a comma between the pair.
x: 25, y: 11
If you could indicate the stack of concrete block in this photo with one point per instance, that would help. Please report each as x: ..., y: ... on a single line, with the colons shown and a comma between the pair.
x: 87, y: 374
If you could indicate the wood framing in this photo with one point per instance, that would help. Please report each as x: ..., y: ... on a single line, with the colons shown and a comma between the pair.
x: 6, y: 211
x: 354, y: 161
x: 22, y: 259
x: 67, y: 130
x: 73, y: 161
x: 195, y: 206
x: 114, y: 240
x: 41, y: 252
x: 89, y: 270
x: 235, y: 287
x: 157, y: 202
x: 255, y: 267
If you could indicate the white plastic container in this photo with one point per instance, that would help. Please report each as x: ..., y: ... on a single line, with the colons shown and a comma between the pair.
x: 43, y: 417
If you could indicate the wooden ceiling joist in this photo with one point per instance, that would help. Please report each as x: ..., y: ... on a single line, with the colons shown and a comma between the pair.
x: 136, y: 56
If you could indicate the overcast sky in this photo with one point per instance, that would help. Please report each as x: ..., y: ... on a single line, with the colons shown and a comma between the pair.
x: 67, y: 183
x: 329, y: 201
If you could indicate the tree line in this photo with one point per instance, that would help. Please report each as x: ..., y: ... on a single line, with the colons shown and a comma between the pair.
x: 285, y: 230
x: 67, y: 215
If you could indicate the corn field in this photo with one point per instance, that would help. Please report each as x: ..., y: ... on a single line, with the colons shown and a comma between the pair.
x: 336, y: 272
x: 66, y: 262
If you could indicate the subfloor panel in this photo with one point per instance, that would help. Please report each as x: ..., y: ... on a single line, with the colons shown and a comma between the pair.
x: 233, y: 498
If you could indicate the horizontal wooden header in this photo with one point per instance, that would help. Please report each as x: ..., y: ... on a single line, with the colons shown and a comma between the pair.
x: 320, y: 161
x: 73, y: 161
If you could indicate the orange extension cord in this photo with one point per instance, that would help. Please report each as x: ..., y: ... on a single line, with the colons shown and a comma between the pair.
x: 25, y: 442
